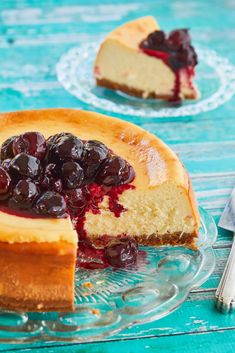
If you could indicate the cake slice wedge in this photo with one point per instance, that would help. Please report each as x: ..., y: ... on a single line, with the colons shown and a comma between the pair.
x: 37, y: 259
x: 141, y: 60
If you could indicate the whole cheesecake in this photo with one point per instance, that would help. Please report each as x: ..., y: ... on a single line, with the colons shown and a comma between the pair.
x: 141, y: 60
x: 77, y: 185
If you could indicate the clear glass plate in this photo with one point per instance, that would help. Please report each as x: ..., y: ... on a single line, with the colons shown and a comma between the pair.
x: 215, y: 79
x: 117, y: 299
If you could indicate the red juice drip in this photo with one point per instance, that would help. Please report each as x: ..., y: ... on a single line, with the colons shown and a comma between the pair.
x: 165, y: 57
x: 190, y: 72
x: 88, y: 256
x: 176, y: 90
x: 113, y: 195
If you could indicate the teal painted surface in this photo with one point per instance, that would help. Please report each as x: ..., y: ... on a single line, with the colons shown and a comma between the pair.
x: 33, y: 36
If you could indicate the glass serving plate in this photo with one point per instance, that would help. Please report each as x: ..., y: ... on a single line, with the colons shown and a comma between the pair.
x: 215, y: 79
x: 108, y: 301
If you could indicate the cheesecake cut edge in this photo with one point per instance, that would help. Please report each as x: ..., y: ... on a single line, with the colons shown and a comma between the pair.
x: 37, y: 277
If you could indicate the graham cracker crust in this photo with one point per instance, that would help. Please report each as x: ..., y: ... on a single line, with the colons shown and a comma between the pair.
x: 173, y: 239
x: 136, y: 92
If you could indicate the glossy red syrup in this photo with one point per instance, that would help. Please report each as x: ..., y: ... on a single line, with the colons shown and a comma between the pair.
x: 164, y: 56
x: 88, y: 256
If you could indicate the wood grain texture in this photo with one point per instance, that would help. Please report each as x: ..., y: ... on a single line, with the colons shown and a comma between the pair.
x: 33, y: 36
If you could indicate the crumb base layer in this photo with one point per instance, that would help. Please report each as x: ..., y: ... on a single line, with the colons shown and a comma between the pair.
x: 139, y: 93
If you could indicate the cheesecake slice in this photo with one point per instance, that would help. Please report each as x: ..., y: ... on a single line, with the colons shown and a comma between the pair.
x: 37, y: 259
x: 84, y: 190
x: 141, y: 60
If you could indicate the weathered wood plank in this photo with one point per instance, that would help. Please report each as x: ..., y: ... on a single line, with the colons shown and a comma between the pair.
x: 209, y: 341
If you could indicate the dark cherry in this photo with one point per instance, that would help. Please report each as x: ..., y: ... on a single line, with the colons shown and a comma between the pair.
x: 183, y: 57
x: 51, y: 170
x: 54, y: 138
x: 77, y: 200
x: 115, y: 171
x: 23, y: 195
x: 178, y: 37
x: 122, y: 252
x: 24, y: 165
x: 5, y: 181
x: 177, y: 46
x: 66, y: 148
x: 32, y: 143
x: 155, y: 40
x: 51, y: 204
x: 51, y: 180
x: 94, y: 153
x: 72, y: 175
x: 53, y: 184
x: 6, y: 149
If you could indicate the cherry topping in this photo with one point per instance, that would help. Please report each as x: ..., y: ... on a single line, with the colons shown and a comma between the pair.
x: 77, y: 200
x: 32, y: 143
x: 25, y: 165
x: 5, y: 181
x: 177, y: 46
x: 55, y: 138
x: 72, y: 175
x: 24, y: 195
x: 51, y: 204
x: 6, y: 149
x: 51, y: 180
x: 95, y: 152
x: 178, y: 38
x: 66, y: 148
x: 51, y: 170
x: 154, y: 40
x: 122, y: 252
x: 53, y: 184
x: 115, y: 171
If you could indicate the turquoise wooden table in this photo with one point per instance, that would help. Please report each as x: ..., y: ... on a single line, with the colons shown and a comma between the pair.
x: 33, y: 36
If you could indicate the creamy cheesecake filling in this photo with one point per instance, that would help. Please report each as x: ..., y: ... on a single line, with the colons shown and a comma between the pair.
x: 121, y: 70
x: 160, y: 212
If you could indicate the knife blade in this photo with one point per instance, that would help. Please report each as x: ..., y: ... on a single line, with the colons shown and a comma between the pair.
x: 227, y: 220
x: 225, y: 294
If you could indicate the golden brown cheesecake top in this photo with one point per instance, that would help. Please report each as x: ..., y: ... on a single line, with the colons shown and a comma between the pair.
x: 132, y: 33
x: 153, y: 161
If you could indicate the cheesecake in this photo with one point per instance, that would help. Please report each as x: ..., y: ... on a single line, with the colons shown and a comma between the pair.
x: 141, y: 60
x: 80, y: 189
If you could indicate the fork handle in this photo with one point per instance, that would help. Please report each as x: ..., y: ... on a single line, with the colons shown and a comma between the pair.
x: 225, y: 294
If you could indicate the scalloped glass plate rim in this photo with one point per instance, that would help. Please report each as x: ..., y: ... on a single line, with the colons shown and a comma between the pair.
x: 71, y: 61
x: 207, y: 237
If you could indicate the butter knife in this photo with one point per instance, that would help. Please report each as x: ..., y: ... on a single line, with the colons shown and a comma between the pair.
x: 225, y: 294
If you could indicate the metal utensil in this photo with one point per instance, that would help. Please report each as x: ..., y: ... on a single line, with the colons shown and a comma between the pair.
x: 225, y: 294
